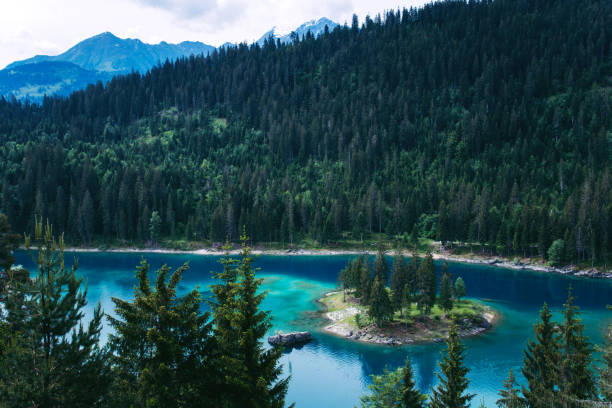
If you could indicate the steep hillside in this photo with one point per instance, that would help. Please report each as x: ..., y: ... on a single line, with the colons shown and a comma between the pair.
x: 484, y: 122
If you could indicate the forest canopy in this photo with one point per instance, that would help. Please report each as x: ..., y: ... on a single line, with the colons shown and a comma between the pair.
x: 481, y: 121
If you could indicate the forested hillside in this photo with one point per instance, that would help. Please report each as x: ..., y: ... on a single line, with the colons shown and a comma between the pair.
x: 482, y: 122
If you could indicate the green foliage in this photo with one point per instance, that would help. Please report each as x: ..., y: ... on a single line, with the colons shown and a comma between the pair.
x: 556, y: 252
x: 398, y: 281
x: 498, y: 136
x: 161, y: 344
x: 250, y: 374
x: 426, y: 277
x: 446, y: 293
x: 509, y: 396
x: 541, y: 362
x: 459, y: 289
x: 48, y: 357
x: 605, y: 371
x: 451, y: 391
x: 412, y: 397
x: 380, y: 309
x: 8, y: 243
x: 575, y: 372
x: 155, y: 226
x: 557, y: 365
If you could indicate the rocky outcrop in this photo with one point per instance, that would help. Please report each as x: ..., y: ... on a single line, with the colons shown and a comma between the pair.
x: 290, y: 339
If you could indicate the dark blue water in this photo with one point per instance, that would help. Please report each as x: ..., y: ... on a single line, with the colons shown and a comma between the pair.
x: 334, y: 372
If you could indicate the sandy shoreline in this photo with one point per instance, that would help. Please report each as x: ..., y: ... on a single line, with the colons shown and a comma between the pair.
x: 485, y: 261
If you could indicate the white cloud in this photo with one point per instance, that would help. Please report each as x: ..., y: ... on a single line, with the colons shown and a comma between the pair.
x: 30, y: 27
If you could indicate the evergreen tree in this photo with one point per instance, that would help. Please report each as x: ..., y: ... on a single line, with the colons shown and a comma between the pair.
x: 427, y: 284
x: 556, y: 251
x: 446, y: 293
x: 365, y: 282
x: 541, y: 362
x: 412, y: 397
x: 380, y: 309
x: 162, y: 345
x: 254, y: 381
x: 575, y: 375
x: 605, y: 372
x: 52, y: 359
x: 380, y: 268
x: 398, y: 281
x: 8, y: 243
x: 154, y: 226
x: 509, y: 396
x: 451, y: 391
x: 459, y: 289
x: 386, y: 390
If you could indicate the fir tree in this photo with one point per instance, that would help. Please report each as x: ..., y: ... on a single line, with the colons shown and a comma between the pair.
x: 459, y: 289
x: 380, y: 308
x: 380, y: 268
x: 451, y: 391
x: 412, y: 397
x: 575, y: 375
x: 53, y: 360
x: 255, y: 381
x: 446, y: 294
x: 605, y: 372
x: 162, y: 345
x: 541, y: 362
x: 427, y: 284
x: 8, y: 243
x: 509, y: 396
x: 154, y: 226
x: 365, y: 283
x: 398, y: 281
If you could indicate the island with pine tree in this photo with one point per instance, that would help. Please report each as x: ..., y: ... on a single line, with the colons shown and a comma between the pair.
x: 406, y: 309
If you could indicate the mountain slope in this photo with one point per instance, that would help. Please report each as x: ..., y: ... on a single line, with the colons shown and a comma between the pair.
x: 108, y: 53
x: 34, y: 81
x: 481, y: 122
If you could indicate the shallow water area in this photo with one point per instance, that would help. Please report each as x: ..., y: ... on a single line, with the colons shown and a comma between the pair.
x: 332, y: 371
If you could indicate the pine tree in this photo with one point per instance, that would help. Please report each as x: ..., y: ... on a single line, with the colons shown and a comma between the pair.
x: 605, y: 372
x: 154, y: 226
x: 412, y: 397
x: 446, y: 295
x: 255, y: 381
x: 427, y: 284
x: 509, y: 395
x: 380, y: 268
x: 459, y: 289
x: 365, y: 283
x: 54, y: 361
x: 451, y: 391
x: 8, y: 243
x: 541, y: 362
x: 380, y: 308
x: 398, y: 281
x: 575, y: 374
x: 162, y: 345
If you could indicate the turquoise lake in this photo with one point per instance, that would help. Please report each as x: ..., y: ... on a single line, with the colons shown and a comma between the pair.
x: 332, y: 371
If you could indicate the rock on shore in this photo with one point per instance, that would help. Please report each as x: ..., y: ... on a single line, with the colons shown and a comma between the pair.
x: 290, y: 339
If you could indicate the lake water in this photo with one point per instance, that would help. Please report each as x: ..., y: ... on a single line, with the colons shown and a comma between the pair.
x: 334, y: 372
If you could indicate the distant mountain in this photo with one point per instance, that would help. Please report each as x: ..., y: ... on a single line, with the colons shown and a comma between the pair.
x: 107, y: 53
x: 100, y: 57
x: 34, y: 81
x: 315, y: 27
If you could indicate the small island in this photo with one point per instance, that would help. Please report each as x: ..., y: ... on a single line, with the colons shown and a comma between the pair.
x: 411, y: 309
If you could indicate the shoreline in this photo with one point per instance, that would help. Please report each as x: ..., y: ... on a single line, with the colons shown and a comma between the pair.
x: 398, y: 334
x: 497, y: 262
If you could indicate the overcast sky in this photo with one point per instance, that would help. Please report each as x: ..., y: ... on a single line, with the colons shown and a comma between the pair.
x: 30, y: 27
